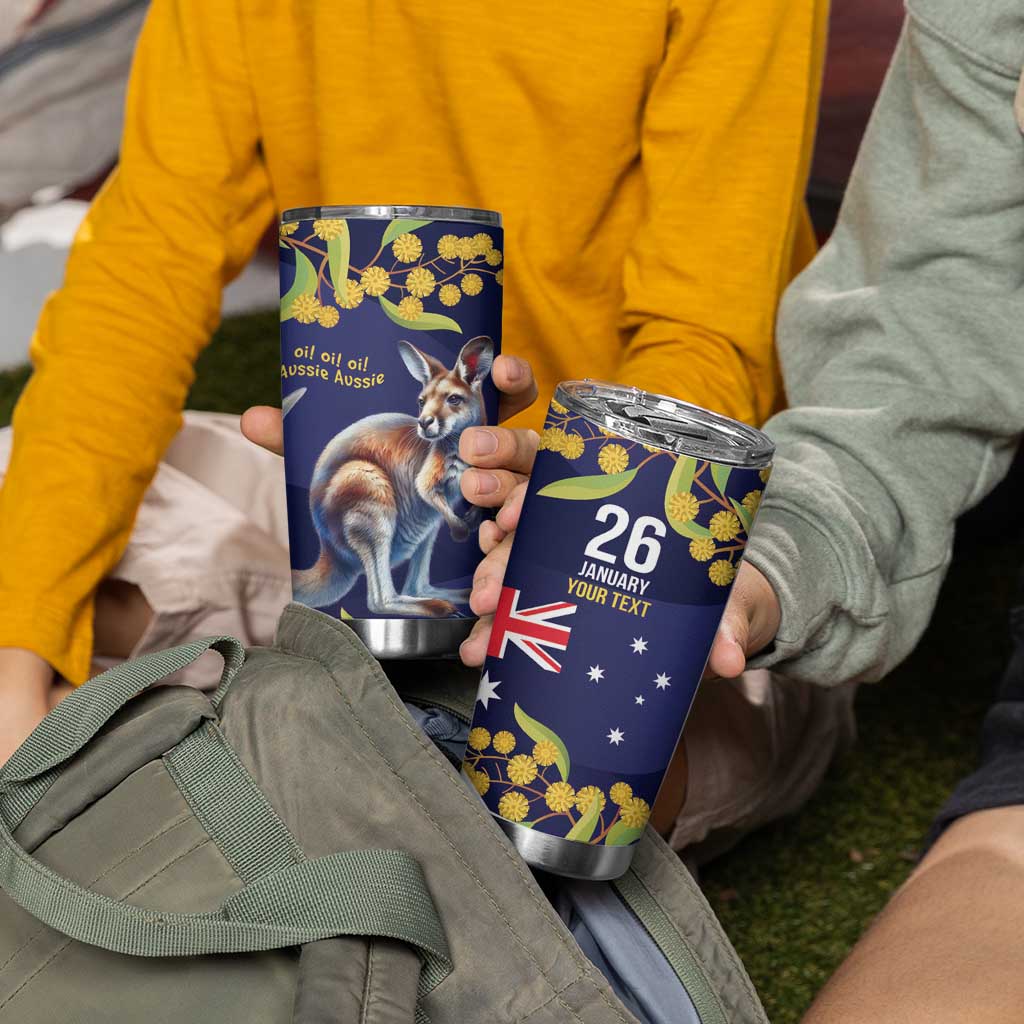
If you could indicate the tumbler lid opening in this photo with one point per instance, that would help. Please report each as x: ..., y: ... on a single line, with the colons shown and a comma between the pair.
x: 668, y: 423
x: 465, y: 214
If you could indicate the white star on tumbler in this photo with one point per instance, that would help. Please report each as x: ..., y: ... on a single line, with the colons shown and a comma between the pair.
x: 596, y: 673
x: 662, y: 681
x: 638, y: 699
x: 639, y: 645
x: 616, y: 736
x: 486, y: 691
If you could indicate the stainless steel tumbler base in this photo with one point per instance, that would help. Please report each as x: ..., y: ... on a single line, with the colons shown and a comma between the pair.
x: 412, y: 638
x: 567, y: 857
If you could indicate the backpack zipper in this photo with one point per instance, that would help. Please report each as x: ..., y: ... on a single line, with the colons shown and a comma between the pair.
x: 673, y: 946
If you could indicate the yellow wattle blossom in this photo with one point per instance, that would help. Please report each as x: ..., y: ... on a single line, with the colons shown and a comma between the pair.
x: 482, y: 242
x: 683, y: 507
x: 585, y: 795
x: 635, y: 812
x: 724, y: 525
x: 304, y: 308
x: 465, y: 248
x: 721, y: 572
x: 289, y: 228
x: 472, y: 284
x: 650, y: 448
x: 765, y: 473
x: 499, y: 278
x: 514, y: 806
x: 504, y: 742
x: 560, y: 796
x: 327, y: 316
x: 573, y: 446
x: 493, y: 257
x: 620, y: 792
x: 607, y: 432
x: 448, y: 247
x: 329, y: 228
x: 545, y: 752
x: 613, y: 458
x: 522, y: 769
x: 354, y: 293
x: 751, y: 502
x: 552, y: 439
x: 702, y: 549
x: 449, y: 294
x: 558, y: 407
x: 420, y: 282
x: 479, y: 738
x: 410, y: 308
x: 375, y: 281
x: 481, y: 780
x: 407, y: 248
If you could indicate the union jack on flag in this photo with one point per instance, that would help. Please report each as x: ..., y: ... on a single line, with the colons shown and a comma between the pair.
x: 530, y: 629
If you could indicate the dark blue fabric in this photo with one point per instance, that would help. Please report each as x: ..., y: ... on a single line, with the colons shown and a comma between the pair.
x: 999, y: 781
x: 616, y: 943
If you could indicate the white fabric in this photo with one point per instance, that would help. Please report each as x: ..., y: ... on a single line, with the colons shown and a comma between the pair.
x: 61, y: 109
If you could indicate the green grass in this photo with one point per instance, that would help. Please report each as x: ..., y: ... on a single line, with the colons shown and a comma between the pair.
x: 238, y: 369
x: 795, y: 896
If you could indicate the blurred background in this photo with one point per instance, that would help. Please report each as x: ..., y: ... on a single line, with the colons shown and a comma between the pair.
x: 795, y: 896
x: 63, y: 69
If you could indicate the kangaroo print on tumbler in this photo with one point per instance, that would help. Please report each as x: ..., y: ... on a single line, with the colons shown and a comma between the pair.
x: 390, y: 322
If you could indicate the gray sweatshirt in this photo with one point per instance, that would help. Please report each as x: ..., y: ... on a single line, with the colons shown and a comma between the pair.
x: 902, y: 347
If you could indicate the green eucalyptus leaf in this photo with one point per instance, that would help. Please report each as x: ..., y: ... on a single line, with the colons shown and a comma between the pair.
x: 290, y: 400
x: 304, y: 284
x: 587, y: 488
x: 400, y: 226
x: 745, y: 517
x: 720, y: 474
x: 537, y: 732
x: 620, y: 834
x: 337, y: 258
x: 691, y: 529
x: 424, y: 322
x: 584, y: 828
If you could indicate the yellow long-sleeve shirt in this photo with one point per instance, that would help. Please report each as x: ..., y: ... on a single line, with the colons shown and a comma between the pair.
x: 649, y: 160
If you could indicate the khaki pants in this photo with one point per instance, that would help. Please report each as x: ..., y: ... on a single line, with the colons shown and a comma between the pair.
x: 210, y: 553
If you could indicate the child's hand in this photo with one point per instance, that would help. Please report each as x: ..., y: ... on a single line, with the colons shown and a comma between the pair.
x: 26, y: 682
x: 262, y: 424
x: 749, y: 624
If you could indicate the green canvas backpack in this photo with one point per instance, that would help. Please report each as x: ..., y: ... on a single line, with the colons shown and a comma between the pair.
x: 297, y: 848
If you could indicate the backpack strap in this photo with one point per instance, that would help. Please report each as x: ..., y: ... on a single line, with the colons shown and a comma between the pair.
x: 79, y: 716
x: 357, y: 892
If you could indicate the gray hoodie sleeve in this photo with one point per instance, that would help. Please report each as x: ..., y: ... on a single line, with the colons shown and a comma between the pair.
x: 902, y: 347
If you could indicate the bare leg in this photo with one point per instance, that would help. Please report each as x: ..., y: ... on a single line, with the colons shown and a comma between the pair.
x: 122, y: 616
x: 950, y: 944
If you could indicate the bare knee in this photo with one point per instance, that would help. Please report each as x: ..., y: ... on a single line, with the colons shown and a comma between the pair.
x: 122, y: 616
